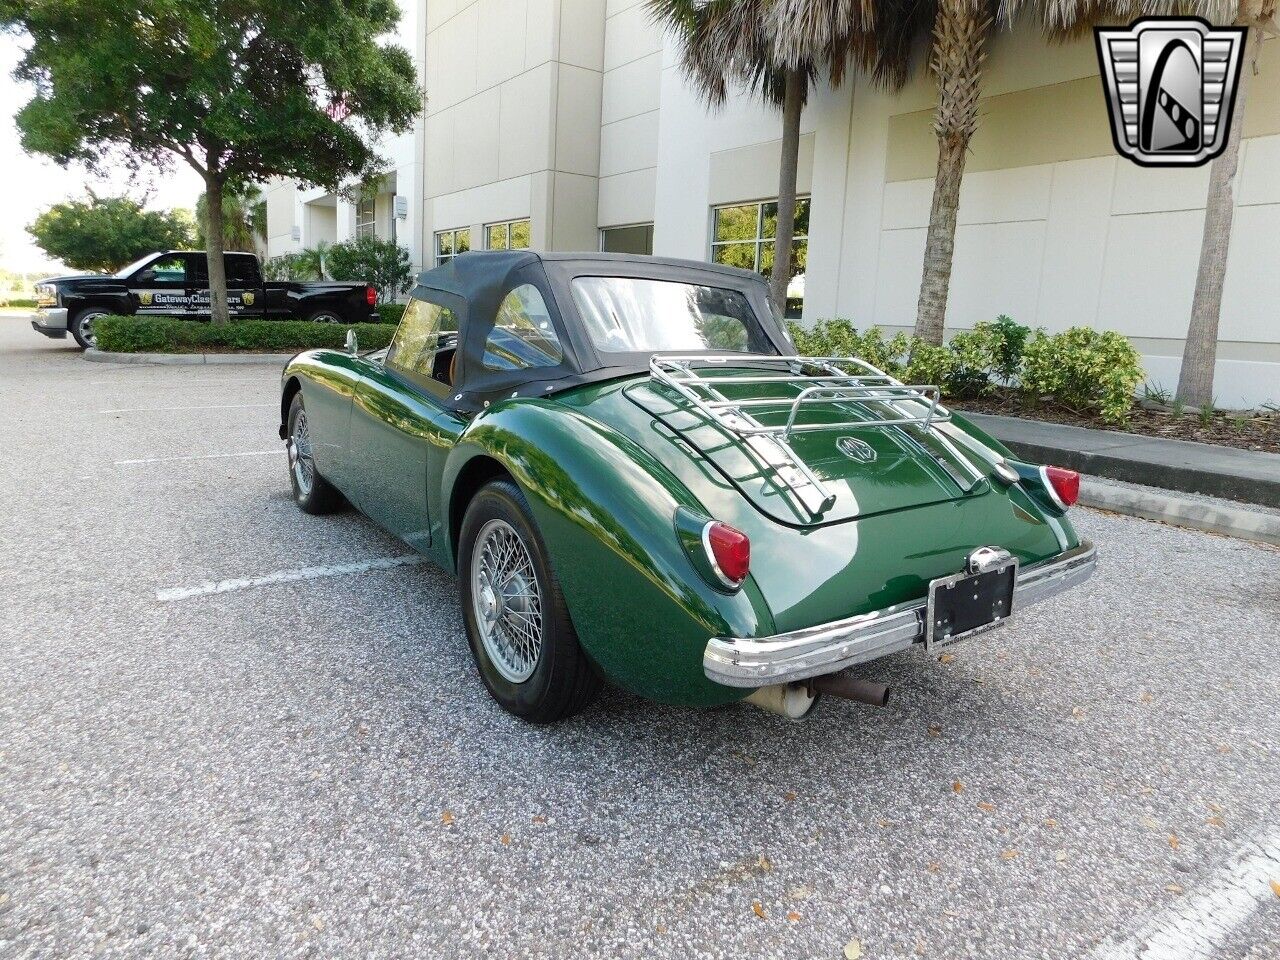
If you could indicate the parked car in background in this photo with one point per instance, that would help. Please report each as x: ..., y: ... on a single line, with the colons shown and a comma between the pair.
x: 636, y: 478
x: 176, y: 283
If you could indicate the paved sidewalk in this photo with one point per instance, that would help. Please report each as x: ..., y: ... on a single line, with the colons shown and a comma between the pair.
x: 1242, y: 475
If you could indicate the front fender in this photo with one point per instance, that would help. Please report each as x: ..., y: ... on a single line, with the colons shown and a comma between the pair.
x: 606, y: 512
x: 117, y: 303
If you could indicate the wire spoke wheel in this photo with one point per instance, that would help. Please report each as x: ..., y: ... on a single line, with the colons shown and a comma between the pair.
x: 301, y: 460
x: 506, y: 600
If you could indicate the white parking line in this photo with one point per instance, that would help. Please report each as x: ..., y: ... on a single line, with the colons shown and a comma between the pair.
x: 1194, y: 927
x: 201, y: 456
x: 289, y: 576
x: 222, y: 406
x: 178, y: 384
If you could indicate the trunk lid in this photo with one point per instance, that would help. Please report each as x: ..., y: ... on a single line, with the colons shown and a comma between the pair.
x: 865, y: 470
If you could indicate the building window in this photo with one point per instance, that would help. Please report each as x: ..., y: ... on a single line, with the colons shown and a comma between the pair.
x: 367, y: 218
x: 634, y: 239
x: 450, y: 243
x: 511, y: 235
x: 742, y: 236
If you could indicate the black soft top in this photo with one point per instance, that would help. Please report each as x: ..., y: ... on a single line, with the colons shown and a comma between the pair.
x: 474, y: 284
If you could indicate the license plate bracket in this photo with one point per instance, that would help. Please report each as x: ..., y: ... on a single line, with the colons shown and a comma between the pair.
x: 971, y: 602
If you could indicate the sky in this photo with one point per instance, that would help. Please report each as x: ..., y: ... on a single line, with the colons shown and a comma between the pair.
x: 30, y: 184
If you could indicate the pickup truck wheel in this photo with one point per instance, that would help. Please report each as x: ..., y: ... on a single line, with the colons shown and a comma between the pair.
x: 311, y: 492
x: 81, y: 326
x: 324, y: 316
x: 517, y: 622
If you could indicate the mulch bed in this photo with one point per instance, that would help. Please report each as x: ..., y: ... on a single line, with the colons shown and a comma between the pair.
x: 1257, y: 432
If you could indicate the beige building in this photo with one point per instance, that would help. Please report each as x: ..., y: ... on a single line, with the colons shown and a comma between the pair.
x: 565, y: 124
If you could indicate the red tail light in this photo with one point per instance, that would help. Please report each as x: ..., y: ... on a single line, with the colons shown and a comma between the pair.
x: 371, y: 295
x: 729, y: 551
x: 1063, y: 485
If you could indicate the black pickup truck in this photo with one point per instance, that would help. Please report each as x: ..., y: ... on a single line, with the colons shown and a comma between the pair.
x: 176, y: 283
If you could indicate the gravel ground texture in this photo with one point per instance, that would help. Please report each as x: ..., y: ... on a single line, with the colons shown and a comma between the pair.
x: 313, y: 768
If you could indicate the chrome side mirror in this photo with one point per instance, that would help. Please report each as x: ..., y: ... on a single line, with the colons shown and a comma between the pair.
x: 353, y: 345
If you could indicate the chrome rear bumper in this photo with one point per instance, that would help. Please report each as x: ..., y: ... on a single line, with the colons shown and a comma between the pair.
x: 829, y: 647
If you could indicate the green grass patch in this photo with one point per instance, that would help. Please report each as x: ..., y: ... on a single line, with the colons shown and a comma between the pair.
x: 19, y: 303
x: 164, y: 335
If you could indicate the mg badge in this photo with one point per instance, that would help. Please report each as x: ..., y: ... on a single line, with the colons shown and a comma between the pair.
x: 856, y: 449
x: 247, y: 298
x: 1171, y: 86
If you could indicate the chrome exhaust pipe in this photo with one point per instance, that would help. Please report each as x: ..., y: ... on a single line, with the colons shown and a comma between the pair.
x: 790, y: 700
x: 851, y: 688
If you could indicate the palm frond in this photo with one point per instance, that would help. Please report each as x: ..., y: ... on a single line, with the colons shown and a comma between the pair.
x: 1066, y: 19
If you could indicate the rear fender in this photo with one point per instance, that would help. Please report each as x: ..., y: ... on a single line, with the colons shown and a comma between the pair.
x: 606, y: 512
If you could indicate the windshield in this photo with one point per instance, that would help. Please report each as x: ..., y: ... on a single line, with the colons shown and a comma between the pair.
x: 633, y: 315
x: 125, y: 272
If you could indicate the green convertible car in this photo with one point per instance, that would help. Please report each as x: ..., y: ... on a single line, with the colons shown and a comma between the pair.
x: 636, y: 478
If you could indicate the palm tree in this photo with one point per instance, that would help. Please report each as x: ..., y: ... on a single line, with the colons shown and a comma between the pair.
x: 244, y: 217
x: 1062, y: 18
x: 960, y: 29
x: 1200, y: 352
x: 774, y: 48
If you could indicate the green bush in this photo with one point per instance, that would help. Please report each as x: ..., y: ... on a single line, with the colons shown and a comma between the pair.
x: 382, y: 263
x: 164, y: 335
x: 929, y: 364
x: 1080, y: 368
x: 20, y: 303
x: 989, y: 355
x: 1085, y: 369
x: 839, y: 338
x: 391, y: 312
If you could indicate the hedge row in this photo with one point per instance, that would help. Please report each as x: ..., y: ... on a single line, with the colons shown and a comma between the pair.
x: 1080, y: 368
x: 391, y: 312
x: 162, y: 335
x: 19, y: 303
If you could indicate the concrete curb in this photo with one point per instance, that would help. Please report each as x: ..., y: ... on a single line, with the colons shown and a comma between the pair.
x: 1221, y: 518
x: 190, y: 359
x: 1228, y: 473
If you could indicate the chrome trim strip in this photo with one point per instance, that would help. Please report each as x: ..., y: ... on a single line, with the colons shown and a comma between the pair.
x: 828, y: 647
x: 1053, y: 492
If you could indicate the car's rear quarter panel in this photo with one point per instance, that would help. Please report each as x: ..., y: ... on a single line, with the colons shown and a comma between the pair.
x: 606, y: 512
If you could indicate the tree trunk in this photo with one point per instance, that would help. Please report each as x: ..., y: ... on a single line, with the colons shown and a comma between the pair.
x: 958, y: 33
x: 793, y: 103
x: 1200, y: 354
x: 214, y: 246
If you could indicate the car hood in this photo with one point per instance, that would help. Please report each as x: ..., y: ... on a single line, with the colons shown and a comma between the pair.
x: 78, y: 276
x: 867, y: 470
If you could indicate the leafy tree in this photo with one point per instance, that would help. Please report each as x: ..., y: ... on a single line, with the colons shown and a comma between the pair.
x: 102, y: 234
x: 240, y: 90
x: 244, y: 218
x: 382, y: 263
x: 307, y: 264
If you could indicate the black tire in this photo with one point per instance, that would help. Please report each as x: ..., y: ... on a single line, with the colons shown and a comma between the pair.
x: 317, y: 496
x: 564, y: 681
x: 81, y: 326
x: 323, y: 316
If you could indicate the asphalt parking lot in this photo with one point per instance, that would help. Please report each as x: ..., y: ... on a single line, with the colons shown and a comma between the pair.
x: 197, y: 763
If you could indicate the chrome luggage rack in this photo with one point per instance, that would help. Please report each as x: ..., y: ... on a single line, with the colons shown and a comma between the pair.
x: 881, y: 400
